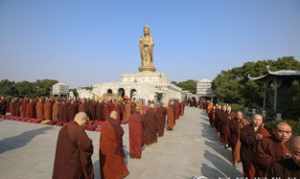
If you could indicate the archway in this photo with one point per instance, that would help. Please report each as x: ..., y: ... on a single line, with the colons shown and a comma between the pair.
x: 132, y: 93
x: 121, y: 92
x: 109, y: 91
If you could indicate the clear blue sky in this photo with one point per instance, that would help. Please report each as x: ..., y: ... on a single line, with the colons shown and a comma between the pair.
x: 89, y: 41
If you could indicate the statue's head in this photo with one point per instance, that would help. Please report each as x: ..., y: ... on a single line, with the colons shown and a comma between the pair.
x: 146, y: 30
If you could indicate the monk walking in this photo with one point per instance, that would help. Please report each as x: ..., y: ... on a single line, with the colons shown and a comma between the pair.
x: 73, y: 151
x: 48, y: 110
x: 273, y: 149
x: 235, y: 126
x: 170, y: 116
x: 40, y: 109
x: 112, y: 164
x: 136, y: 134
x: 289, y: 167
x: 250, y: 135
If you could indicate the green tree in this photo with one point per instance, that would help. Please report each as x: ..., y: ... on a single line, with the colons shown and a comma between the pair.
x: 7, y: 88
x: 233, y: 86
x: 189, y: 85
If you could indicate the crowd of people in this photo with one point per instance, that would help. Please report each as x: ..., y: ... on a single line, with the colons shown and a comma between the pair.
x: 264, y: 153
x: 146, y: 124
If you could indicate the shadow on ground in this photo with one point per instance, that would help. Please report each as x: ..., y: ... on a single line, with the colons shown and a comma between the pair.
x: 15, y: 142
x: 226, y: 168
x: 211, y: 172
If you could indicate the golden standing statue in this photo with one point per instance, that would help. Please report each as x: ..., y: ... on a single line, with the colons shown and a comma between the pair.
x: 146, y: 48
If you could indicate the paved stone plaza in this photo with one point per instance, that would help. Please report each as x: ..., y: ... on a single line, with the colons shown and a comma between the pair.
x: 27, y: 151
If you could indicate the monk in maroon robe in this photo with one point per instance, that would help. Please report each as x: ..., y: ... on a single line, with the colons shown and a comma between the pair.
x: 162, y: 113
x: 112, y: 164
x: 13, y: 107
x: 72, y: 109
x: 136, y: 133
x: 236, y: 124
x: 82, y: 106
x: 127, y: 111
x: 218, y: 114
x: 30, y: 109
x: 273, y: 149
x: 250, y: 135
x: 170, y: 117
x: 99, y: 111
x: 74, y: 150
x: 23, y: 107
x: 55, y: 110
x: 289, y: 167
x: 150, y: 125
x: 225, y: 132
x: 48, y: 110
x: 40, y: 109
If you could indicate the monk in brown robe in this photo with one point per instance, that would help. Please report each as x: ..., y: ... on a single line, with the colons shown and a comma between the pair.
x: 30, y: 109
x: 82, y: 106
x: 40, y: 109
x: 150, y: 125
x: 273, y: 149
x: 136, y: 133
x: 290, y: 167
x: 210, y: 113
x: 170, y: 116
x: 74, y: 150
x: 127, y: 111
x: 218, y: 124
x: 249, y: 136
x: 72, y: 109
x: 62, y: 112
x: 12, y: 107
x: 48, y: 110
x: 55, y: 110
x: 112, y: 164
x: 23, y: 107
x: 235, y: 126
x: 225, y: 132
x: 99, y: 111
x: 162, y: 113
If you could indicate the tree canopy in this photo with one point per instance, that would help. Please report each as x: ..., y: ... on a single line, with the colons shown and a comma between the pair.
x: 26, y: 88
x: 233, y: 86
x: 189, y: 85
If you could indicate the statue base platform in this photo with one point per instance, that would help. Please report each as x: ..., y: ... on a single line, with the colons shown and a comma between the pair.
x: 150, y: 68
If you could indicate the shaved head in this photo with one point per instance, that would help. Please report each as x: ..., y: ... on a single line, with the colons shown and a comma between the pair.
x: 294, y: 147
x: 239, y: 115
x: 283, y: 132
x: 258, y: 120
x: 283, y: 125
x: 294, y: 143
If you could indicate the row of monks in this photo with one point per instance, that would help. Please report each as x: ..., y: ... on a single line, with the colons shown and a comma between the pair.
x: 264, y: 153
x: 146, y: 124
x: 61, y: 110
